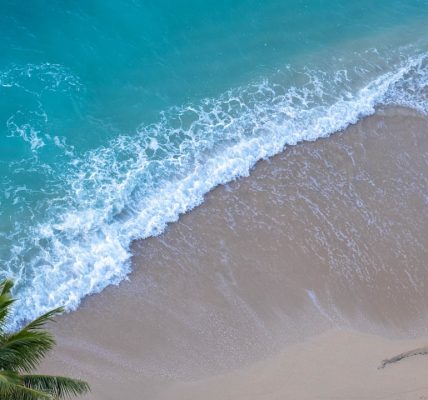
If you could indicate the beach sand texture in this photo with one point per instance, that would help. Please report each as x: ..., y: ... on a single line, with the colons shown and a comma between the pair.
x: 293, y: 283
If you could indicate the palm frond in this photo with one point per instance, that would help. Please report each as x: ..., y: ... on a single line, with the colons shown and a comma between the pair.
x: 18, y: 392
x: 5, y: 301
x: 10, y: 378
x: 6, y: 286
x: 59, y: 387
x: 41, y: 321
x: 23, y: 350
x: 12, y: 388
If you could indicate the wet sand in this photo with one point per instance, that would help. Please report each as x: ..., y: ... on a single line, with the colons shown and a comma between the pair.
x: 261, y: 291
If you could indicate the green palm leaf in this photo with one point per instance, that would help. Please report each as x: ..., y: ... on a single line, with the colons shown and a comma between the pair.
x: 59, y: 387
x: 22, y: 351
x: 5, y: 301
x: 12, y: 387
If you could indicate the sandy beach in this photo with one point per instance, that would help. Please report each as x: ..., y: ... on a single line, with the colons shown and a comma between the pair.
x: 292, y: 283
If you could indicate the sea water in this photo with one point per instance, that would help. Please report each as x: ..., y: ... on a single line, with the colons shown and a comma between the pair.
x: 118, y: 116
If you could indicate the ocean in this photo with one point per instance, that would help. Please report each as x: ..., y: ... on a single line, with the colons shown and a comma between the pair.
x: 118, y: 117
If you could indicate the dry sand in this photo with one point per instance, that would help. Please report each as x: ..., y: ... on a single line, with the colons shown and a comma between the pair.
x: 260, y: 292
x: 338, y: 365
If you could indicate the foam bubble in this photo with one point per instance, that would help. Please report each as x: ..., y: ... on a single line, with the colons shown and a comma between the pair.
x: 412, y: 89
x: 38, y: 78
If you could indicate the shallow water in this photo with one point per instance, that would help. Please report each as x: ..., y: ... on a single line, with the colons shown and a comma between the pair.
x: 117, y: 117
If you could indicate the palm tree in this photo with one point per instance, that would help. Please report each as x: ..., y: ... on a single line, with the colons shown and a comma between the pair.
x: 22, y: 351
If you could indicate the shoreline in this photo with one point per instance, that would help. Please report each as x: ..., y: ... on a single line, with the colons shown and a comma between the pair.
x: 99, y: 217
x: 328, y: 235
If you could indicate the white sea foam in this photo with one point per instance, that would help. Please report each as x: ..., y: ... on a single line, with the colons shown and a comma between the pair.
x: 39, y: 78
x: 35, y: 80
x: 136, y: 185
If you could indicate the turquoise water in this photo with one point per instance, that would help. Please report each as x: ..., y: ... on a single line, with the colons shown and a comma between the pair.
x: 116, y: 117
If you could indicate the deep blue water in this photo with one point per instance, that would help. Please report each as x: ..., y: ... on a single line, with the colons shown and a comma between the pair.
x: 118, y: 116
